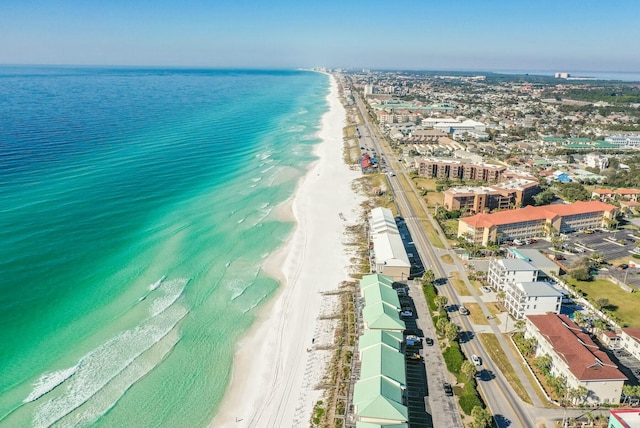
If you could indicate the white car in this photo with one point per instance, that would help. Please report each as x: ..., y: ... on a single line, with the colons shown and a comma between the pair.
x: 463, y: 310
x: 476, y: 360
x: 485, y: 289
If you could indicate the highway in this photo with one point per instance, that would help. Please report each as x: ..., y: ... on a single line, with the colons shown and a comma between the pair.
x: 507, y: 408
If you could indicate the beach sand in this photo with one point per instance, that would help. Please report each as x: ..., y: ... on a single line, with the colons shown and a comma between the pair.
x: 278, y: 364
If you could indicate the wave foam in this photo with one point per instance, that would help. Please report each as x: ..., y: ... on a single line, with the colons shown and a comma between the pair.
x: 97, y: 368
x: 48, y: 382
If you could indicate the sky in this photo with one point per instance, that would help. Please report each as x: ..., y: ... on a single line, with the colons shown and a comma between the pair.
x: 562, y: 35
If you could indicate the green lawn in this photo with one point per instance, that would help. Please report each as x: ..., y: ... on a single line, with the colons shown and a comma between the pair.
x: 497, y: 354
x: 624, y: 305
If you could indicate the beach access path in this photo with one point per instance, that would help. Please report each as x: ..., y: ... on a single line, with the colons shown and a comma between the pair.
x: 273, y: 385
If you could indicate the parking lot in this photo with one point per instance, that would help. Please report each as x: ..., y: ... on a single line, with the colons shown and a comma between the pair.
x: 629, y: 365
x: 614, y: 245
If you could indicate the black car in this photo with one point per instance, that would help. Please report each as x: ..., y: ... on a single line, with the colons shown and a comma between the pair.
x: 428, y: 341
x: 448, y: 390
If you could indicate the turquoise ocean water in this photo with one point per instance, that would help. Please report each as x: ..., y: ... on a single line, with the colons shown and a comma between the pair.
x: 135, y: 214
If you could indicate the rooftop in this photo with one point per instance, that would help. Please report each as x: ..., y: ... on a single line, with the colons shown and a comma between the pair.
x: 531, y: 213
x: 516, y: 265
x: 583, y: 357
x: 538, y: 289
x: 628, y: 418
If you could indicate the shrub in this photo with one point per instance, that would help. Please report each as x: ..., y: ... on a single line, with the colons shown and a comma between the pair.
x: 453, y: 358
x: 470, y: 398
x: 430, y: 294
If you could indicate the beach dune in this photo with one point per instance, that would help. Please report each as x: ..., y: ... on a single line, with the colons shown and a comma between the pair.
x: 274, y: 384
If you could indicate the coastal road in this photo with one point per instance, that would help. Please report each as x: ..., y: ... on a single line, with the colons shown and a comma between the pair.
x: 505, y: 405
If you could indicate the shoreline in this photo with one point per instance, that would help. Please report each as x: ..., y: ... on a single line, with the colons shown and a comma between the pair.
x: 278, y: 357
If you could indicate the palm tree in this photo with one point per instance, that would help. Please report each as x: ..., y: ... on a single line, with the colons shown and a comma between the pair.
x: 481, y: 417
x: 441, y: 301
x: 468, y: 369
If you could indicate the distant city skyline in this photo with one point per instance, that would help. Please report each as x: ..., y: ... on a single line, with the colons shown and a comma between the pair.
x: 407, y: 34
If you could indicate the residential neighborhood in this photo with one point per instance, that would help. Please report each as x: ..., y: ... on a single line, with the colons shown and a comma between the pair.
x: 510, y: 210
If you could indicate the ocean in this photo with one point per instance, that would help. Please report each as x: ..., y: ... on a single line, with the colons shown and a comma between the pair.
x: 137, y: 207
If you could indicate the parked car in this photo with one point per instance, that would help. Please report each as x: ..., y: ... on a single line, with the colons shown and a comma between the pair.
x: 463, y: 310
x: 476, y: 360
x: 406, y: 313
x: 412, y: 340
x: 560, y: 257
x: 448, y: 390
x: 428, y: 341
x: 533, y: 240
x: 414, y: 357
x: 485, y: 289
x: 622, y: 266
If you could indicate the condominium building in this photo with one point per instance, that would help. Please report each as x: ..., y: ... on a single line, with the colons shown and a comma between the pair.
x: 530, y: 222
x: 611, y: 194
x: 630, y: 341
x: 531, y: 298
x: 510, y: 271
x: 388, y: 255
x: 596, y: 160
x: 456, y: 169
x: 576, y: 357
x: 624, y: 140
x: 501, y: 196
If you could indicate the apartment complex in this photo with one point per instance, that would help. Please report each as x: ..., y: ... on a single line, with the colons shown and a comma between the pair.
x: 630, y: 341
x: 459, y: 170
x: 531, y: 298
x: 379, y: 396
x: 530, y: 222
x: 501, y: 196
x: 510, y: 271
x: 611, y: 194
x: 388, y: 256
x: 575, y: 356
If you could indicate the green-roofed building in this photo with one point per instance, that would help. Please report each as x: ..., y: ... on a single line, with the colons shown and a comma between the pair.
x: 381, y: 316
x: 370, y: 338
x: 554, y: 140
x: 381, y: 293
x: 382, y: 360
x: 374, y: 279
x: 379, y: 400
x: 380, y: 425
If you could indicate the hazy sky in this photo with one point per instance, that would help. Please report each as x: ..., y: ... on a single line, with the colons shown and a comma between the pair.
x: 421, y: 34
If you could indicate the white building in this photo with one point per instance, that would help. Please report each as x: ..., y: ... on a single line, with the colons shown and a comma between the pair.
x: 630, y: 341
x: 466, y: 126
x: 531, y: 298
x: 575, y: 356
x: 624, y: 140
x: 388, y: 254
x: 510, y: 271
x: 596, y: 160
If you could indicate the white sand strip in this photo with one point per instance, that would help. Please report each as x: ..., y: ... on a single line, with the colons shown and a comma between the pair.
x: 274, y: 375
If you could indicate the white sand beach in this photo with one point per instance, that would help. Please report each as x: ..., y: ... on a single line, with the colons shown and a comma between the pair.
x: 273, y: 385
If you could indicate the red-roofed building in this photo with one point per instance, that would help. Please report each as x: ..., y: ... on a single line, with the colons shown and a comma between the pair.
x: 531, y: 222
x: 622, y: 194
x: 575, y: 356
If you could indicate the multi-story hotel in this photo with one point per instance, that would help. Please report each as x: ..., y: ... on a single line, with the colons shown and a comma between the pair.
x: 530, y: 222
x: 455, y: 169
x: 501, y: 196
x: 576, y: 357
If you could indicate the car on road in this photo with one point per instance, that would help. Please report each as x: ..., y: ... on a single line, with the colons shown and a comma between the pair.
x: 428, y: 341
x: 463, y: 310
x: 448, y: 390
x: 485, y: 289
x: 476, y: 360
